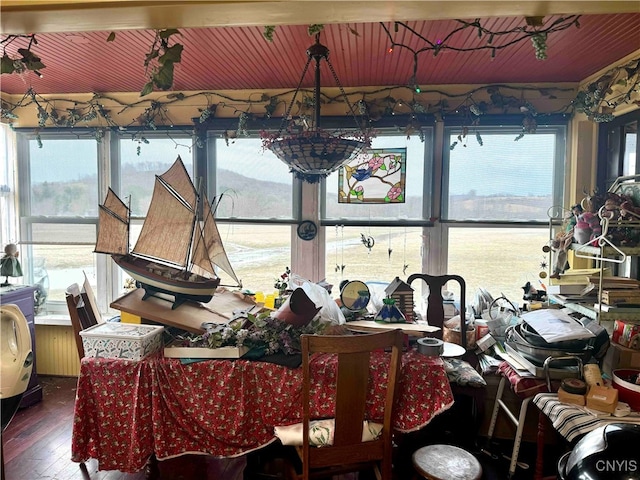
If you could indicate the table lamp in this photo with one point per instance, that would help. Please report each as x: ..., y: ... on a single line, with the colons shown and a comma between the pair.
x: 9, y: 263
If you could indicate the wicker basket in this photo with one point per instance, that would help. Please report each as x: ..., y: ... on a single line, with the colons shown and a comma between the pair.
x: 451, y: 333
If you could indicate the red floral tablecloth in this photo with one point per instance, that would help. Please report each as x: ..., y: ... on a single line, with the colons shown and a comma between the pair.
x: 125, y: 411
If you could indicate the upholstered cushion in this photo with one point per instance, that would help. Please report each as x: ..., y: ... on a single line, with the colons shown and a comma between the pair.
x: 462, y: 373
x: 321, y: 432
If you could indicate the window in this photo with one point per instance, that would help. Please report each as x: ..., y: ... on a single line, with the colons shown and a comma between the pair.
x: 393, y: 232
x: 256, y: 210
x: 484, y: 218
x: 138, y: 169
x: 495, y: 202
x: 254, y: 184
x: 392, y: 248
x: 499, y: 259
x: 502, y: 179
x: 58, y: 207
x: 618, y: 156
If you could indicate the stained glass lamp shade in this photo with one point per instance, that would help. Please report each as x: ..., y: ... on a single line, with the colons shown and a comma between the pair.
x: 315, y: 153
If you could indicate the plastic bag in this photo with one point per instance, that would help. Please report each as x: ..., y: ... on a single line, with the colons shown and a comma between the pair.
x: 330, y: 312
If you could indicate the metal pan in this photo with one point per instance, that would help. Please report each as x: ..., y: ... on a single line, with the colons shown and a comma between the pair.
x: 538, y: 355
x: 532, y: 337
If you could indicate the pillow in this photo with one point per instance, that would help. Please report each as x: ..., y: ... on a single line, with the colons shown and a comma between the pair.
x: 321, y: 432
x: 463, y: 373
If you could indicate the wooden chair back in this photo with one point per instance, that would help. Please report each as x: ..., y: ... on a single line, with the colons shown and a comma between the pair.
x: 435, y: 307
x: 81, y: 314
x: 349, y: 452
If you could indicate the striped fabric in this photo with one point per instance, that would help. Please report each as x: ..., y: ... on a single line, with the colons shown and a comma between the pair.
x: 572, y: 421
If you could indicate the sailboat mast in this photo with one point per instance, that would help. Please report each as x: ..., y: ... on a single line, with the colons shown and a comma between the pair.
x: 128, y: 224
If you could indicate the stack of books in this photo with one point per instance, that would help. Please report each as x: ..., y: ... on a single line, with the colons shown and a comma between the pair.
x: 583, y: 293
x: 617, y: 292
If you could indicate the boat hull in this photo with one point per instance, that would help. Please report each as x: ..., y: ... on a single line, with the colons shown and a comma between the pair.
x: 154, y: 278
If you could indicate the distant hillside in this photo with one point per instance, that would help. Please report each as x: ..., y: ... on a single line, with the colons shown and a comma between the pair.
x: 267, y: 199
x: 264, y: 199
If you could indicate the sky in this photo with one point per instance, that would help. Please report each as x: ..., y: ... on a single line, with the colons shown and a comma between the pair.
x: 494, y: 168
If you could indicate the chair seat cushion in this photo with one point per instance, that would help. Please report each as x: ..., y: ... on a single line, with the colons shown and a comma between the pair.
x: 321, y: 432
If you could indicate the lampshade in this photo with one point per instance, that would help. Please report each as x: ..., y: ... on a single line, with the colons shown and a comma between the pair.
x: 315, y: 153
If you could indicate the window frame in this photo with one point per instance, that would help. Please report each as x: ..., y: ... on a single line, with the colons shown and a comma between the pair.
x: 25, y: 217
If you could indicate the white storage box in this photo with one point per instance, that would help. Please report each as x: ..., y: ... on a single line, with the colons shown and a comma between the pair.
x: 121, y: 340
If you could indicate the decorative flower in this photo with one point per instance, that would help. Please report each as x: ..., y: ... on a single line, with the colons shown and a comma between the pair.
x: 261, y: 332
x: 375, y: 162
x: 394, y: 192
x: 282, y: 283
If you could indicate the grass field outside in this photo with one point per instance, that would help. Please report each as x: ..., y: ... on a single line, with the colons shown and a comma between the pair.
x: 500, y: 260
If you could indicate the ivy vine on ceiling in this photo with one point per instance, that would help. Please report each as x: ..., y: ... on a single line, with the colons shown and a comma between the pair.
x: 598, y: 100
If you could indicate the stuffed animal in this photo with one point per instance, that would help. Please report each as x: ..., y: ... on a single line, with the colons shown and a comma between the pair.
x: 531, y: 293
x: 565, y: 237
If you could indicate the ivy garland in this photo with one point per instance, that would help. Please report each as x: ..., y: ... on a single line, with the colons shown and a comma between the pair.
x: 598, y: 101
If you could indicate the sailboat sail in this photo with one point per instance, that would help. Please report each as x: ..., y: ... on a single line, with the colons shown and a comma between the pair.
x: 215, y: 251
x: 113, y: 229
x: 168, y: 228
x: 178, y: 180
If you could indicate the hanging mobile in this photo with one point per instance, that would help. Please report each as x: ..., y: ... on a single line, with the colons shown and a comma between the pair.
x: 367, y: 241
x: 543, y: 266
x: 340, y: 267
x: 404, y: 253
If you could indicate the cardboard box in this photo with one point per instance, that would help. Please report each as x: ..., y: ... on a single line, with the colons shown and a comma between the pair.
x: 620, y: 357
x: 122, y: 340
x: 603, y: 399
x: 572, y: 398
x: 177, y: 351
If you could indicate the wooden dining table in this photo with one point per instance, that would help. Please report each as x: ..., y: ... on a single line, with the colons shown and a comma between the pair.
x: 128, y: 411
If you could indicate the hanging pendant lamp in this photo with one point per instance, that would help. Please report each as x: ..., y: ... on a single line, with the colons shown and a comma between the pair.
x: 315, y: 153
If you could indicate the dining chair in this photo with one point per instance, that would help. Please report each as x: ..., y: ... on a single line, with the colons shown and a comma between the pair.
x: 470, y: 400
x: 81, y: 314
x: 435, y: 306
x: 348, y: 452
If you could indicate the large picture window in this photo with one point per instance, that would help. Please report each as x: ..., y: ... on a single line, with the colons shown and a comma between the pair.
x: 483, y: 218
x: 503, y: 179
x: 58, y: 211
x: 254, y: 184
x: 495, y: 202
x: 255, y: 212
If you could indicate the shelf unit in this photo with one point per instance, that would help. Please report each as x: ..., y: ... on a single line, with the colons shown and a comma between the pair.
x: 607, y: 251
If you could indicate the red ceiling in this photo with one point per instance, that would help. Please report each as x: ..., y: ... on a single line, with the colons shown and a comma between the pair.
x: 231, y: 58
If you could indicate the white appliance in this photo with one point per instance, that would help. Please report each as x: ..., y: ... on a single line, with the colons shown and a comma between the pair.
x: 16, y: 360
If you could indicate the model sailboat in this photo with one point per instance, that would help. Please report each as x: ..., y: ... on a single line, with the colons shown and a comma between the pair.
x: 177, y: 251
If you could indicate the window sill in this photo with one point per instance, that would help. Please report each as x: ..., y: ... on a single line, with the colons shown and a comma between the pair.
x: 53, y: 320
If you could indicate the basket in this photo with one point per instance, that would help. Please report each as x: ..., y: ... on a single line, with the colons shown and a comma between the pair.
x: 451, y: 333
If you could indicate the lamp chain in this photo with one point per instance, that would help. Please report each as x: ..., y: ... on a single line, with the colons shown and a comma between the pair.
x: 344, y: 94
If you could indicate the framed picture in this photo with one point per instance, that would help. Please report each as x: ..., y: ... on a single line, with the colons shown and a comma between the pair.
x: 375, y: 176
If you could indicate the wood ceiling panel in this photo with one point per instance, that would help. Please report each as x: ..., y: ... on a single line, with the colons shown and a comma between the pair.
x: 228, y: 58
